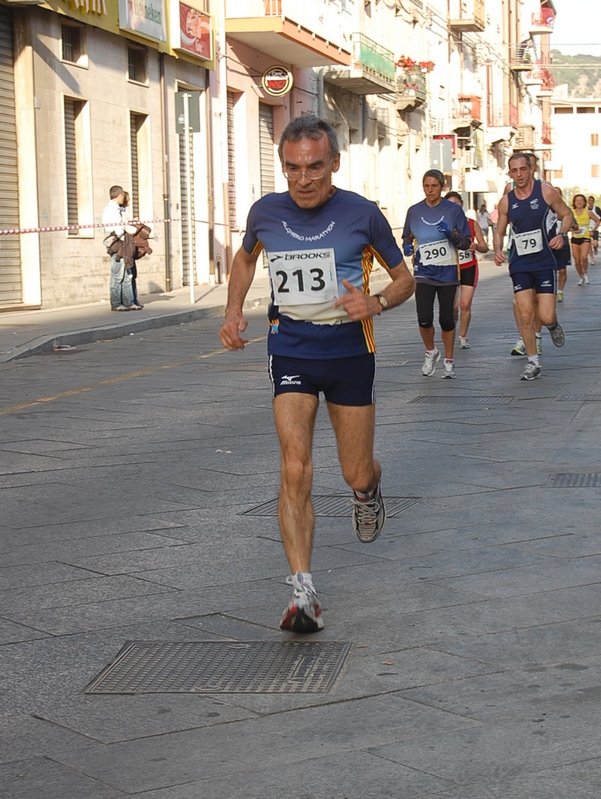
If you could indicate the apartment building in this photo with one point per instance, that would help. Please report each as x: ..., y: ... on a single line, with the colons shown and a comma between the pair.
x: 97, y: 92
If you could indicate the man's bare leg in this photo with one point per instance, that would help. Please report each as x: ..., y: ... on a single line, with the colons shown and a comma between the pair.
x: 295, y: 420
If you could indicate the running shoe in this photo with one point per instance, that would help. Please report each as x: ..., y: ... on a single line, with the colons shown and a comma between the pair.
x: 586, y: 280
x: 430, y: 361
x: 558, y: 337
x: 581, y: 281
x: 519, y: 348
x: 369, y: 516
x: 560, y: 296
x: 303, y: 614
x: 448, y: 369
x: 464, y: 343
x: 539, y: 344
x: 531, y: 372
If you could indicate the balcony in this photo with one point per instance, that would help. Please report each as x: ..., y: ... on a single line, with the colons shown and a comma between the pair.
x: 467, y: 111
x: 520, y: 58
x: 372, y: 69
x: 467, y: 16
x: 542, y: 22
x: 411, y: 89
x: 308, y: 34
x: 546, y: 138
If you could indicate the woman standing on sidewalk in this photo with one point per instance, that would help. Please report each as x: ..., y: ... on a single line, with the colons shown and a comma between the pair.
x: 469, y: 271
x: 581, y: 239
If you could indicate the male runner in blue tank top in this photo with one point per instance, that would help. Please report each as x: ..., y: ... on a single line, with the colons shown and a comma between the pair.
x: 320, y: 243
x: 529, y: 208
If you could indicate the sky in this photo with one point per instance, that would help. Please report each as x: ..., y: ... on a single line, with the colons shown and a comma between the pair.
x: 577, y: 27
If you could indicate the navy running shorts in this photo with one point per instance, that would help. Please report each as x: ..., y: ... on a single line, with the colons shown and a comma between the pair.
x: 343, y: 381
x: 542, y: 282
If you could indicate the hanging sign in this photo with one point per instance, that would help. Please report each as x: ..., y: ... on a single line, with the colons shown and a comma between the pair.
x: 277, y: 81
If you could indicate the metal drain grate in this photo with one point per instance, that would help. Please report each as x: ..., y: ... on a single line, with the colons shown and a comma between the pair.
x: 574, y: 480
x: 240, y: 667
x: 579, y: 398
x: 445, y: 400
x: 335, y: 506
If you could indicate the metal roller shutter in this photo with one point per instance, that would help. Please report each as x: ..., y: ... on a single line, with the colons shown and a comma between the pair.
x: 10, y: 256
x: 266, y: 153
x: 71, y: 163
x: 231, y: 159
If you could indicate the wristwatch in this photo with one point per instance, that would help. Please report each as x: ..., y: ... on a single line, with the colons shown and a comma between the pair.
x: 383, y: 301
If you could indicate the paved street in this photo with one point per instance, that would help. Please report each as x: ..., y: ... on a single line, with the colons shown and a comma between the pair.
x: 127, y: 467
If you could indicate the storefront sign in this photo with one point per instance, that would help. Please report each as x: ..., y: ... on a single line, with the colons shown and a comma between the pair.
x: 277, y: 81
x: 195, y: 32
x: 146, y: 17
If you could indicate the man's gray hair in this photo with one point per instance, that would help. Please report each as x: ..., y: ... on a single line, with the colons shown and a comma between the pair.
x: 115, y: 191
x: 309, y: 126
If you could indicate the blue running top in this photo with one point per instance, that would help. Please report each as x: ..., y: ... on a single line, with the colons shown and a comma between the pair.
x: 533, y: 225
x: 347, y: 231
x: 436, y: 260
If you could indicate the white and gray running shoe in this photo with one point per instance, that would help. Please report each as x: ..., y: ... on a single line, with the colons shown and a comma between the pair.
x: 464, y: 343
x: 430, y: 361
x: 531, y: 372
x: 558, y: 337
x: 303, y: 613
x: 586, y: 280
x: 448, y: 369
x: 369, y: 516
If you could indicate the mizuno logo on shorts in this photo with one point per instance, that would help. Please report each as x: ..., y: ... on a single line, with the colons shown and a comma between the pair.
x: 290, y: 380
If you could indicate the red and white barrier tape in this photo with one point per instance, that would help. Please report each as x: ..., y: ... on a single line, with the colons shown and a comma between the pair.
x: 57, y: 228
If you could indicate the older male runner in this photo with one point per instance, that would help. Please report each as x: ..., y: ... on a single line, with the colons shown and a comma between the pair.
x: 529, y: 208
x: 320, y: 243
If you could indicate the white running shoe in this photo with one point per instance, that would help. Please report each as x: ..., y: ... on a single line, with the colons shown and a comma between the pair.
x: 519, y: 348
x: 586, y: 280
x: 464, y: 343
x: 430, y: 361
x: 303, y: 614
x: 580, y: 282
x: 448, y: 369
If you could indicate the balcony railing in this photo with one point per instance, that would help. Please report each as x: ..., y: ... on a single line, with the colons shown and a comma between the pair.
x: 467, y: 16
x: 321, y: 18
x: 502, y: 116
x: 411, y: 88
x: 372, y: 69
x: 520, y: 58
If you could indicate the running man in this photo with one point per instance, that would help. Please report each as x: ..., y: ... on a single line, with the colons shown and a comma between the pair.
x: 320, y: 243
x: 529, y: 208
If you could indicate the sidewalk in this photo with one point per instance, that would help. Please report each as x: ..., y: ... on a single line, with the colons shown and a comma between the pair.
x: 24, y: 333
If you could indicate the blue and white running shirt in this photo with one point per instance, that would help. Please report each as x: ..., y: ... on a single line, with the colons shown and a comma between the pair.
x: 309, y: 252
x: 533, y: 226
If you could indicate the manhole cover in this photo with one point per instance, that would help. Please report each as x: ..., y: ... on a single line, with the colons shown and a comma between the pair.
x: 445, y: 400
x: 236, y: 667
x: 335, y: 506
x: 574, y: 480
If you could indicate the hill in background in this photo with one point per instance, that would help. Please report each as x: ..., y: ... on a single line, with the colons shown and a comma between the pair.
x: 582, y: 73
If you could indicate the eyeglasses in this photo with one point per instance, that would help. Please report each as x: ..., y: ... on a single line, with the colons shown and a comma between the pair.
x: 310, y: 172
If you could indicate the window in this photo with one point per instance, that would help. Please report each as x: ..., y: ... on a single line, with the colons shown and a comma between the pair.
x: 563, y: 110
x: 594, y: 139
x: 137, y: 60
x: 558, y: 174
x: 585, y: 109
x: 78, y: 159
x: 595, y: 170
x: 72, y: 45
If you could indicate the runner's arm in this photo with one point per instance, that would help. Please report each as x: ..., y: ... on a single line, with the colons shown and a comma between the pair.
x: 361, y: 306
x: 479, y: 244
x: 241, y: 278
x: 500, y: 231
